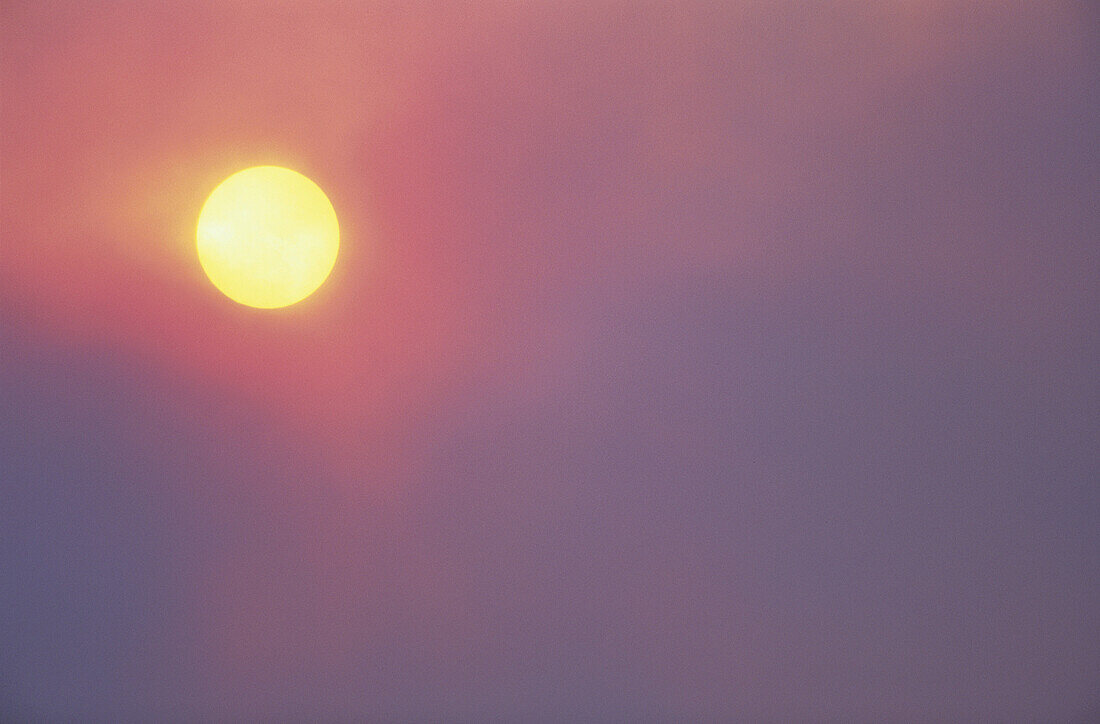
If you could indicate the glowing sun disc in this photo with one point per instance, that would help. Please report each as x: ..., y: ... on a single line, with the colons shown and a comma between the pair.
x: 267, y: 237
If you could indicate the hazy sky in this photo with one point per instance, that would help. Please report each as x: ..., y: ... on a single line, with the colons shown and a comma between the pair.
x: 683, y: 361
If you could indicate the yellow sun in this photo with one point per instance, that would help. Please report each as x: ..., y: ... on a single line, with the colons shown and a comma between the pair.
x: 267, y: 237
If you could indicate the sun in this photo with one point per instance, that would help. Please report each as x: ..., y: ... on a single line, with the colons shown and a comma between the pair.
x: 267, y: 237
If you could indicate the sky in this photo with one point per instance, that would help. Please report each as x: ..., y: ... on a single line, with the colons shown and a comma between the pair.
x: 683, y: 361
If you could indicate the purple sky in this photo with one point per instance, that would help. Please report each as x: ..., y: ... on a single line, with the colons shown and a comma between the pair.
x: 683, y: 361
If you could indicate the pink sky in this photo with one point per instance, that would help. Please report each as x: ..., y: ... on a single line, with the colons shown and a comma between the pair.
x: 722, y: 360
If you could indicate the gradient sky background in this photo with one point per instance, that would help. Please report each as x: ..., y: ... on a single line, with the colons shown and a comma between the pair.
x: 685, y: 361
